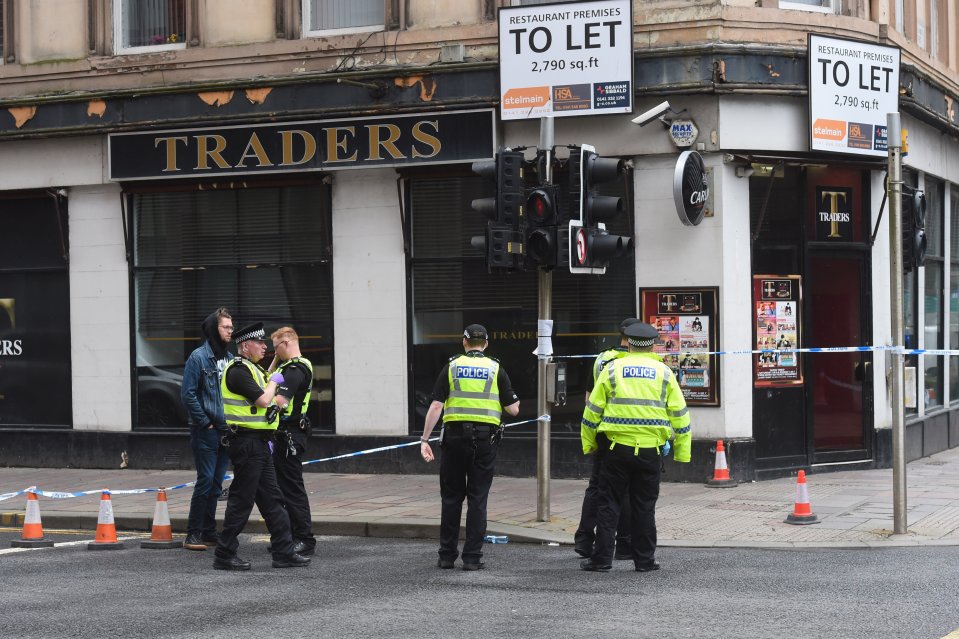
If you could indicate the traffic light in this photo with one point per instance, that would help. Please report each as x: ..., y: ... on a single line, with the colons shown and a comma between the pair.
x: 503, y: 241
x: 542, y: 213
x: 913, y: 229
x: 591, y: 246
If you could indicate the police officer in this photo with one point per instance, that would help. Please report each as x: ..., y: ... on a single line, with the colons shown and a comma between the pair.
x: 638, y: 405
x: 586, y: 532
x: 293, y: 398
x: 471, y: 392
x: 247, y: 405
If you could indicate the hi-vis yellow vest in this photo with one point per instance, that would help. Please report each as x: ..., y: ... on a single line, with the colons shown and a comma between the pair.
x: 237, y: 410
x: 306, y: 398
x: 474, y: 394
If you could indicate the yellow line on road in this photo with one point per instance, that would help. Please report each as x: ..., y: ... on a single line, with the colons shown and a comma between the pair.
x: 952, y: 635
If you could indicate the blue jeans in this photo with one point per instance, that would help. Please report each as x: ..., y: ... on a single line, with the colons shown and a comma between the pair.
x: 211, y: 461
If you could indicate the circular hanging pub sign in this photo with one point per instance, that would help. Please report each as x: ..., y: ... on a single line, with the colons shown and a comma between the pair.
x: 690, y: 188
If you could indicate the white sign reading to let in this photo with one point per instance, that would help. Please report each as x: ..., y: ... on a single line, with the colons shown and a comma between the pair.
x: 852, y: 86
x: 572, y: 58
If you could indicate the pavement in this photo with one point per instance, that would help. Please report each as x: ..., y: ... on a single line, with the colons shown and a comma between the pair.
x: 854, y: 508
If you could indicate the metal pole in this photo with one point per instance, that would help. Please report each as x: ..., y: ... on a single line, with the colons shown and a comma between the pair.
x: 894, y: 190
x: 545, y: 312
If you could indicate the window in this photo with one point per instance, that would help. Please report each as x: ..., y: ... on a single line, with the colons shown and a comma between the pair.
x: 264, y: 253
x: 909, y: 304
x: 35, y: 377
x: 450, y: 288
x: 954, y: 291
x: 328, y: 17
x: 144, y: 26
x: 934, y: 335
x: 824, y: 6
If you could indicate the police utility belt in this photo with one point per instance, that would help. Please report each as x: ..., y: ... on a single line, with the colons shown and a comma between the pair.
x: 467, y: 429
x: 253, y: 433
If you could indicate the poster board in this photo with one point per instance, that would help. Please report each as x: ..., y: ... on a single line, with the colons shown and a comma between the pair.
x: 777, y: 325
x: 688, y: 323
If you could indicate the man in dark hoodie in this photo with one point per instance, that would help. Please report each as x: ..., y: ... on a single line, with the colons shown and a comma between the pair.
x: 204, y: 403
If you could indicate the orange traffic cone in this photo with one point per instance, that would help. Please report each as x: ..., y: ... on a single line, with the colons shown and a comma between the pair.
x: 802, y: 511
x: 32, y: 536
x: 721, y: 477
x: 106, y: 537
x: 162, y: 533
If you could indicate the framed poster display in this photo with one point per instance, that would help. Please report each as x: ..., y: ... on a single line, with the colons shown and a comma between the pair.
x: 777, y: 326
x: 688, y: 323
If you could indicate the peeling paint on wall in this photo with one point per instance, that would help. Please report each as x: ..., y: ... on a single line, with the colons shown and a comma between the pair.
x: 22, y: 115
x: 425, y: 94
x: 216, y: 98
x: 258, y: 96
x: 772, y: 72
x: 950, y: 108
x: 96, y: 108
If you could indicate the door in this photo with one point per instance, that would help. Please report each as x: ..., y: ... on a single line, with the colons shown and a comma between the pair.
x: 839, y: 384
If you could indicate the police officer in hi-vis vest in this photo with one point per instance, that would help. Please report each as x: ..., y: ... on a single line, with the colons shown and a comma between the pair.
x: 471, y: 392
x: 638, y: 405
x: 585, y: 534
x: 293, y: 398
x: 251, y: 418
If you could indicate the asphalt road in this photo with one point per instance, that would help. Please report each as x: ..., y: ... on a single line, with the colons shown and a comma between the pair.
x: 362, y: 587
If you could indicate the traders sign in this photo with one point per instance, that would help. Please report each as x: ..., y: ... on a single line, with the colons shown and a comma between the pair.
x: 319, y: 145
x: 852, y: 86
x: 571, y: 58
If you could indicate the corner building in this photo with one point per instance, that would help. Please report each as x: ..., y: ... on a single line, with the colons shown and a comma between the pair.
x: 306, y: 162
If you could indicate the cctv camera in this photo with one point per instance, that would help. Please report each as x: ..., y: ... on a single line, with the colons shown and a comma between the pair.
x: 657, y: 111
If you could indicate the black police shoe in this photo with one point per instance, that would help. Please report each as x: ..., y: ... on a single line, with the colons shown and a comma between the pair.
x: 583, y: 551
x: 587, y: 564
x: 649, y: 566
x: 474, y: 565
x: 301, y: 548
x: 292, y: 561
x: 194, y: 541
x: 233, y: 563
x: 445, y: 564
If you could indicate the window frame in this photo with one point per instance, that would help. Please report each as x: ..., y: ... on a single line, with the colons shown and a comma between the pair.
x: 306, y: 12
x: 117, y: 23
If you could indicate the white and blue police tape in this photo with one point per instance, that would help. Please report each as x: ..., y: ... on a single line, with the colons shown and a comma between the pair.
x: 406, y: 444
x: 228, y: 477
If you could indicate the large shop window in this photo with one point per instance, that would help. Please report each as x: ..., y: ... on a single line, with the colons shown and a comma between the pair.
x: 953, y: 291
x: 451, y: 289
x: 264, y: 253
x: 932, y: 316
x: 35, y: 380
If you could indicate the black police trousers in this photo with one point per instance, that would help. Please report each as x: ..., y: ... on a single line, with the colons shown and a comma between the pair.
x: 585, y: 534
x: 623, y: 472
x: 289, y: 477
x: 254, y: 481
x: 466, y: 472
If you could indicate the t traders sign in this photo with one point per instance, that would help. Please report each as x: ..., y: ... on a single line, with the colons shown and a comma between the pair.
x: 317, y: 145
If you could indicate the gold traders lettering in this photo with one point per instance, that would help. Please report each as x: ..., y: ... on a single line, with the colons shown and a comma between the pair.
x: 380, y: 141
x: 514, y: 334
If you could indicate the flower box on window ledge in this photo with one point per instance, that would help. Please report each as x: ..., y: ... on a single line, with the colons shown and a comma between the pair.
x: 147, y: 26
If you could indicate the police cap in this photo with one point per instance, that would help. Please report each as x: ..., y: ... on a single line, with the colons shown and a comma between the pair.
x: 629, y: 321
x: 251, y: 332
x: 475, y: 331
x: 641, y: 334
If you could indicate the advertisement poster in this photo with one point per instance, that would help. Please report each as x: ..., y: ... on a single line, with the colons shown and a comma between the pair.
x: 565, y: 59
x: 688, y: 324
x: 777, y: 307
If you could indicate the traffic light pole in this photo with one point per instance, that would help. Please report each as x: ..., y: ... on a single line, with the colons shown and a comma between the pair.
x: 546, y: 130
x: 894, y: 142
